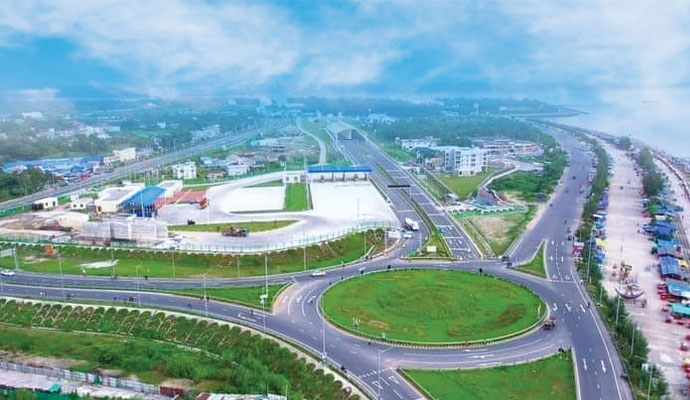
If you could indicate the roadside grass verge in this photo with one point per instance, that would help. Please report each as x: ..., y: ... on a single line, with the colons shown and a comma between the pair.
x: 545, y: 379
x: 253, y: 226
x: 433, y: 307
x: 247, y: 296
x: 537, y: 265
x: 435, y: 239
x: 501, y: 230
x: 159, y: 264
x: 471, y: 230
x: 464, y: 186
x: 296, y: 197
x: 333, y: 156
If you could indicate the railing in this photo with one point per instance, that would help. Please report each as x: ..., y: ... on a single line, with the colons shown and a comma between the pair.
x: 255, y: 248
x: 75, y: 376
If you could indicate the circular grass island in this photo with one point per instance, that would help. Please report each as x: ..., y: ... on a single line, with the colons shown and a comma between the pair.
x: 432, y: 306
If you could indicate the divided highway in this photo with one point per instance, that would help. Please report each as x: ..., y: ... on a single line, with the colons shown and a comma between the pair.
x: 296, y: 316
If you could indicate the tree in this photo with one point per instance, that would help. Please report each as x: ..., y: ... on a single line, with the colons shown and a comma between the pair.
x: 653, y: 183
x: 624, y: 143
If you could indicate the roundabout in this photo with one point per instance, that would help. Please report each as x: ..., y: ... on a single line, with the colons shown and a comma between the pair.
x: 432, y: 307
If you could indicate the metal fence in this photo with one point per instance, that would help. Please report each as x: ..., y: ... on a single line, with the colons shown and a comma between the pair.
x: 85, y: 377
x: 249, y: 248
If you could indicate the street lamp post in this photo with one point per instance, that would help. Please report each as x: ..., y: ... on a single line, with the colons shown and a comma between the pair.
x: 62, y: 277
x: 205, y: 296
x: 138, y: 286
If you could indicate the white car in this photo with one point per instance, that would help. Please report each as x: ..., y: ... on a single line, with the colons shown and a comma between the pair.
x: 316, y: 274
x: 6, y: 272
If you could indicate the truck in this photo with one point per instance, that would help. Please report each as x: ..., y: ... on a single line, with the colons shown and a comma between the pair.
x: 411, y: 224
x: 237, y: 232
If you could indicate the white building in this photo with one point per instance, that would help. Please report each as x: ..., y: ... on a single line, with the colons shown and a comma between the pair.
x: 237, y: 169
x: 292, y: 177
x: 47, y: 203
x: 172, y: 187
x: 463, y: 160
x: 124, y: 155
x: 411, y: 144
x: 80, y: 203
x: 185, y: 170
x: 109, y: 199
x: 126, y: 227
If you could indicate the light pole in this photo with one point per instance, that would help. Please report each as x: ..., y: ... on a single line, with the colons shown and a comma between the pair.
x: 205, y: 296
x: 173, y: 263
x: 378, y: 376
x: 589, y: 255
x: 62, y: 277
x: 649, y: 385
x: 323, y: 335
x: 138, y: 286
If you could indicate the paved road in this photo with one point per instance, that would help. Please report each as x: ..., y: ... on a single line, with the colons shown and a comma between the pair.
x: 296, y: 315
x: 323, y: 153
x: 123, y: 171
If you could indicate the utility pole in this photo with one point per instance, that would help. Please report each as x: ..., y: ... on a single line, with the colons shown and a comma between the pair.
x: 62, y: 277
x: 205, y: 296
x: 173, y: 263
x: 138, y: 286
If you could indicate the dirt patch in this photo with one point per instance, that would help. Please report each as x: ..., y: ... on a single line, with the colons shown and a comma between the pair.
x: 40, y: 361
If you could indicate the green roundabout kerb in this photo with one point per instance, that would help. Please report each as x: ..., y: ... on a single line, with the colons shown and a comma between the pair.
x: 432, y: 307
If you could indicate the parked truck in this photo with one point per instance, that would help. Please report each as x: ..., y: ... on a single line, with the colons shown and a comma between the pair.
x: 411, y: 224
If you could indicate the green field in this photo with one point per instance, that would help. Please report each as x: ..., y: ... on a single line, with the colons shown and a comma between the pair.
x: 296, y: 197
x: 160, y: 264
x: 256, y: 226
x: 501, y: 230
x: 547, y: 379
x: 464, y: 186
x: 248, y: 296
x: 432, y: 306
x: 442, y: 250
x: 333, y: 156
x: 536, y: 265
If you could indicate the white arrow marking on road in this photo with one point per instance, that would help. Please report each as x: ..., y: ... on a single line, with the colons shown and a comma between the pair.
x: 392, y: 378
x: 555, y: 307
x: 582, y: 308
x: 603, y: 368
x: 584, y: 364
x: 297, y: 300
x: 568, y: 306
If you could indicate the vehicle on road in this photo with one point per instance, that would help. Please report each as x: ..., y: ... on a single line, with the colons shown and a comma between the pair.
x: 411, y: 224
x: 7, y: 272
x: 408, y: 235
x: 317, y: 274
x: 550, y: 323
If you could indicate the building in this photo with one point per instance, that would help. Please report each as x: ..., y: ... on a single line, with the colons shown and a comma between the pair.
x: 110, y: 199
x: 463, y: 160
x: 185, y: 170
x: 237, y: 169
x: 125, y: 228
x: 411, y: 144
x: 81, y: 204
x: 122, y: 156
x: 145, y: 203
x: 322, y: 173
x: 171, y: 187
x: 215, y: 175
x: 47, y: 203
x: 502, y: 147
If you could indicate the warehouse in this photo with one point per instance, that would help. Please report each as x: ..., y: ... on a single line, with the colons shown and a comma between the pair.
x: 145, y: 203
x: 47, y: 203
x: 110, y: 199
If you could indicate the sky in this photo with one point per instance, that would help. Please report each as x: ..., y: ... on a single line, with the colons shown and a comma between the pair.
x: 632, y: 53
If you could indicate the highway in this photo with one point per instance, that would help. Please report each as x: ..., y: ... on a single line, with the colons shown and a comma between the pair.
x: 120, y: 172
x: 296, y: 316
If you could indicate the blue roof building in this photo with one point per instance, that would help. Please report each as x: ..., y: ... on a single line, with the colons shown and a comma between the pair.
x: 144, y: 203
x: 669, y: 268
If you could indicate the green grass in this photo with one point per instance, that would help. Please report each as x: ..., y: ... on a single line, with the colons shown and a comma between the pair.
x: 296, y: 197
x: 256, y: 226
x: 273, y: 183
x: 432, y: 306
x: 547, y: 379
x: 396, y: 152
x: 332, y: 156
x: 508, y: 228
x: 148, y: 360
x: 159, y: 264
x: 536, y: 265
x: 248, y: 296
x: 442, y: 250
x: 464, y: 186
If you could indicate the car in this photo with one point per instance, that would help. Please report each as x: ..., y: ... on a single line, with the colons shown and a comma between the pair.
x: 7, y: 272
x: 317, y: 274
x: 408, y: 235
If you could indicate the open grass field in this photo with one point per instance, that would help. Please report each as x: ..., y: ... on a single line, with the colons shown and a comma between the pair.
x: 464, y: 186
x: 248, y: 296
x: 160, y: 264
x: 256, y: 226
x: 296, y: 197
x: 536, y: 265
x: 432, y: 306
x: 501, y: 230
x: 547, y: 379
